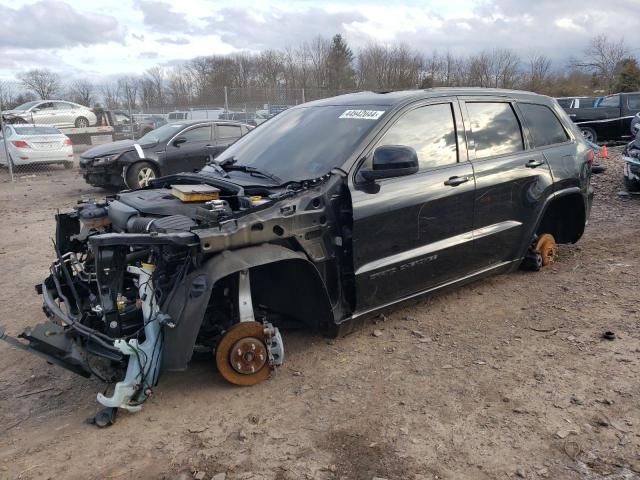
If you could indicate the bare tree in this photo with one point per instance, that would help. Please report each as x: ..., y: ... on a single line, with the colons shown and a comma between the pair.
x: 82, y: 92
x: 128, y: 89
x: 110, y: 94
x: 42, y: 82
x: 602, y: 57
x: 537, y: 73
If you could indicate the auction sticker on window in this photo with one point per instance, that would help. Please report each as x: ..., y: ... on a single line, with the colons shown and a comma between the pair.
x: 362, y: 114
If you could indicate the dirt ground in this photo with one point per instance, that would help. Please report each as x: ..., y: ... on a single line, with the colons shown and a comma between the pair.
x: 505, y: 378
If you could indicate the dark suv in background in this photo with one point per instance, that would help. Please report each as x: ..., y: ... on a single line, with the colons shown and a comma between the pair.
x: 326, y: 214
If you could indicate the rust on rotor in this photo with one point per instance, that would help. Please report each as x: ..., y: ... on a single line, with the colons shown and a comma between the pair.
x: 547, y: 248
x: 241, y: 354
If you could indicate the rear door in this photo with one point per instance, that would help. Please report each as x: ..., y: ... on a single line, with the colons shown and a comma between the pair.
x: 512, y: 179
x: 190, y: 155
x: 413, y: 233
x: 225, y: 135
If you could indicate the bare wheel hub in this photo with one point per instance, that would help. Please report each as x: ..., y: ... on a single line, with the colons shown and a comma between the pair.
x: 547, y: 248
x: 248, y: 355
x: 241, y: 354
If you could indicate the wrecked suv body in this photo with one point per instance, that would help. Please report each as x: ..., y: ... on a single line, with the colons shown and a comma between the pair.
x: 324, y: 215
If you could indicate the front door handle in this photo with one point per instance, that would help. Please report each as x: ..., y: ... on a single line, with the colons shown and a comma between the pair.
x: 455, y: 181
x: 534, y: 163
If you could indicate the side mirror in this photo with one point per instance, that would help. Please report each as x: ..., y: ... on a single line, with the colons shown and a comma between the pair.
x: 179, y: 141
x: 391, y: 161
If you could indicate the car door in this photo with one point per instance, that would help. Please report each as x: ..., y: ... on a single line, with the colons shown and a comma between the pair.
x: 44, y: 114
x: 512, y: 179
x: 188, y: 150
x: 225, y: 135
x: 64, y: 114
x: 413, y: 233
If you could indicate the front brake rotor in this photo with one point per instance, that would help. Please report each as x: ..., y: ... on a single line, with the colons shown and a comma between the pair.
x: 241, y: 354
x: 547, y: 248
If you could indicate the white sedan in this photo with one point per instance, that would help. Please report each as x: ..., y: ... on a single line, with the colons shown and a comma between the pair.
x: 58, y: 113
x: 35, y: 144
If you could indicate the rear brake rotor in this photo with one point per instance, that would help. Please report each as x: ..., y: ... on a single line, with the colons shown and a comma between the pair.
x: 241, y: 354
x: 547, y: 248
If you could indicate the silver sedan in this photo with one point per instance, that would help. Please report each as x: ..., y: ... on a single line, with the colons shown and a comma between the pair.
x: 56, y: 113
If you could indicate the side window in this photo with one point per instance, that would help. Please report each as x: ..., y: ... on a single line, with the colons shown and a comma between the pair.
x: 633, y: 101
x: 543, y: 124
x: 611, y: 101
x: 228, y: 131
x: 430, y: 130
x: 62, y: 106
x: 46, y: 106
x: 494, y: 128
x: 198, y: 134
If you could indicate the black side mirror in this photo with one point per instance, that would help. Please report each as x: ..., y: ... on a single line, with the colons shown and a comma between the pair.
x: 391, y: 161
x: 179, y: 141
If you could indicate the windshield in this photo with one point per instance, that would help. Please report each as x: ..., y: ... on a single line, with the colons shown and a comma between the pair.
x: 161, y: 134
x: 305, y: 142
x: 36, y: 130
x: 26, y: 106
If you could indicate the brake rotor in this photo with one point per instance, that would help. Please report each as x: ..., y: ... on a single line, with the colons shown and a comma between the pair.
x: 241, y: 354
x: 547, y: 248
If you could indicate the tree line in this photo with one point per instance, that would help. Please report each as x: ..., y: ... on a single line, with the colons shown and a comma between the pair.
x: 328, y: 66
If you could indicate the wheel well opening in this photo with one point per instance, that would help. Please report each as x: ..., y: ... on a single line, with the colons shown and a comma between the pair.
x: 564, y: 219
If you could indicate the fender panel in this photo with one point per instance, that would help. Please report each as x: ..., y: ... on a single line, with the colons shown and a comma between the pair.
x: 187, y: 307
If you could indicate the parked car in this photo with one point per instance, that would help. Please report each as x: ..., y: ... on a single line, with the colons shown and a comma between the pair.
x: 178, y: 116
x: 35, y: 144
x: 329, y: 213
x: 172, y: 148
x: 610, y: 120
x: 577, y: 102
x: 57, y: 113
x: 250, y: 118
x: 146, y: 123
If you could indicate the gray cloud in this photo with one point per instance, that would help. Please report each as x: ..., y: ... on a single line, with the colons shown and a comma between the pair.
x: 174, y: 40
x: 148, y: 55
x: 159, y: 15
x: 55, y: 24
x: 237, y: 27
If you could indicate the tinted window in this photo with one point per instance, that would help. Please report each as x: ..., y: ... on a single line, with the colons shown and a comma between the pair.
x: 564, y: 102
x: 198, y: 134
x: 430, y: 131
x: 228, y: 131
x: 46, y: 106
x: 611, y: 101
x: 495, y: 129
x: 36, y: 130
x: 634, y: 101
x: 544, y: 126
x: 63, y: 106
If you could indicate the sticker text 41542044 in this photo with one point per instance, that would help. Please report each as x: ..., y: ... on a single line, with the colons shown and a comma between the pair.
x: 362, y: 114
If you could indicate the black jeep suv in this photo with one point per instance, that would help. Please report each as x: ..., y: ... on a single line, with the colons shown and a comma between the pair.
x: 326, y: 214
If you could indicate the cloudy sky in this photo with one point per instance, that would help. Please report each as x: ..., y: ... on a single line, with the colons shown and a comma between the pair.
x: 108, y: 37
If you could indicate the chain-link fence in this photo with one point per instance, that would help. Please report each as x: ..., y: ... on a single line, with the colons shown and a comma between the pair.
x: 43, y: 136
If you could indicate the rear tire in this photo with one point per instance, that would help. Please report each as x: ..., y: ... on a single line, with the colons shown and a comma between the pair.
x: 631, y: 186
x: 139, y: 174
x: 82, y: 122
x: 589, y: 134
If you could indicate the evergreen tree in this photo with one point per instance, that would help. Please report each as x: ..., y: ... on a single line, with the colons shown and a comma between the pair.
x: 628, y: 76
x: 340, y: 72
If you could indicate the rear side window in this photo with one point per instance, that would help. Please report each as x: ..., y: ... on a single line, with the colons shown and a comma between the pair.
x: 544, y: 126
x: 228, y: 131
x: 431, y: 131
x: 495, y: 129
x: 634, y: 102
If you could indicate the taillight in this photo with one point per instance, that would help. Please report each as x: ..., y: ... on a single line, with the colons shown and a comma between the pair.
x: 590, y: 156
x: 20, y: 143
x: 67, y: 141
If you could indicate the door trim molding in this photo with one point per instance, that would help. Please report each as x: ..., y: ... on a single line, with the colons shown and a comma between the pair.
x: 433, y: 247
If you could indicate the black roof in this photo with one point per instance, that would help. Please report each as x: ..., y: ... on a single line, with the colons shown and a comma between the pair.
x: 187, y: 123
x: 404, y: 96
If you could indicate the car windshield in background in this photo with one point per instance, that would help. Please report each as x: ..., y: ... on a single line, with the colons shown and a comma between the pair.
x: 26, y: 106
x: 305, y: 142
x: 36, y: 130
x: 161, y: 134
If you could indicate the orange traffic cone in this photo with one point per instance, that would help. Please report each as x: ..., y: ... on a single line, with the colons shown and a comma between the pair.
x: 603, y: 152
